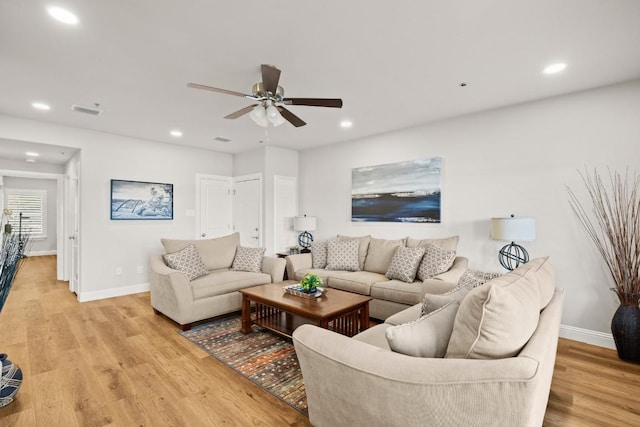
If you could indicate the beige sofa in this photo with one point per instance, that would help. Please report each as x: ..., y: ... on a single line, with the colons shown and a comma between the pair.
x: 389, y: 295
x: 360, y: 381
x: 213, y: 294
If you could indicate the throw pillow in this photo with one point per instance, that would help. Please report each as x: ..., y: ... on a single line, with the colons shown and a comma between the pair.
x: 496, y: 320
x: 435, y: 261
x: 474, y: 278
x: 188, y: 262
x: 248, y: 259
x: 426, y: 337
x: 404, y: 264
x: 216, y: 253
x: 362, y: 249
x: 319, y: 254
x: 433, y: 302
x: 343, y: 255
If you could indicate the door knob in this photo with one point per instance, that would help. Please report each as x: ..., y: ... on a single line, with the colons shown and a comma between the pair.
x: 72, y: 237
x: 204, y: 235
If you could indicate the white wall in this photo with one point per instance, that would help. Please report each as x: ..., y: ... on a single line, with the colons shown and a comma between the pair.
x: 105, y: 244
x: 514, y: 160
x: 47, y: 245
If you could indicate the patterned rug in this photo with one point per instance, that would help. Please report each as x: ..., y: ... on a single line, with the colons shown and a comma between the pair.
x: 267, y: 359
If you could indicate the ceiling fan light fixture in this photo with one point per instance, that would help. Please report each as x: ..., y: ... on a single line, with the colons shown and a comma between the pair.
x: 259, y: 116
x: 274, y: 116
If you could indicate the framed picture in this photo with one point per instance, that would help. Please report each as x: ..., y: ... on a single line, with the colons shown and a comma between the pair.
x: 141, y: 200
x: 397, y: 192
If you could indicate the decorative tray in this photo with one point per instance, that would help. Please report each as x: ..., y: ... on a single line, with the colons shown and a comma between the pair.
x: 297, y: 290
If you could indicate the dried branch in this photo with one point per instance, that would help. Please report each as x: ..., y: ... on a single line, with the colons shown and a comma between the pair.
x: 615, y: 228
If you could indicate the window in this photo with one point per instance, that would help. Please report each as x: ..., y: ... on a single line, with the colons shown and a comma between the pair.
x: 33, y: 206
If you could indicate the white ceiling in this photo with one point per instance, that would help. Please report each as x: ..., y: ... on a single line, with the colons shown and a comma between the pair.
x: 394, y: 64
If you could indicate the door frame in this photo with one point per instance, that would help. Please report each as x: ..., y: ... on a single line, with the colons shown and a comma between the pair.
x: 61, y: 253
x: 251, y: 177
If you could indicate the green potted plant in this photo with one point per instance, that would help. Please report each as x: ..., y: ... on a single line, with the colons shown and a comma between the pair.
x: 310, y: 283
x: 613, y: 224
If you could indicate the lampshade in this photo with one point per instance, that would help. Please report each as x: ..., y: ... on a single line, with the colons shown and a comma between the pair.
x: 304, y: 223
x: 512, y: 229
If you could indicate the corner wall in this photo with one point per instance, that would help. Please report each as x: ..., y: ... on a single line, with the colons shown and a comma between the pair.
x: 106, y: 245
x: 514, y: 160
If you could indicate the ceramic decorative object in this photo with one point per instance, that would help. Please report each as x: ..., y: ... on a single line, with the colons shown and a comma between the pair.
x: 10, y: 381
x: 625, y: 328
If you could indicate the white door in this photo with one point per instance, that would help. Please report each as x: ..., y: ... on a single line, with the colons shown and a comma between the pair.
x: 214, y: 210
x: 247, y: 209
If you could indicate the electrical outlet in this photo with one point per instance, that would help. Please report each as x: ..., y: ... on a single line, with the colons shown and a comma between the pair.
x: 118, y: 271
x: 140, y: 269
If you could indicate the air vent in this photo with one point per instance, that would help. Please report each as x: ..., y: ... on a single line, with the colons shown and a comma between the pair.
x: 86, y: 110
x: 221, y: 139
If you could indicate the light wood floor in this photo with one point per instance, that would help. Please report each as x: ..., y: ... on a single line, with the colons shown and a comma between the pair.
x: 113, y: 362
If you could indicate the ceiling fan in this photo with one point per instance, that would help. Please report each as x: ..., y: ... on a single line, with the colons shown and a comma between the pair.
x: 271, y: 101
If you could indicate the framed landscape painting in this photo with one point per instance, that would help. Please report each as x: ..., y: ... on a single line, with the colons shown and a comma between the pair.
x: 141, y: 200
x: 397, y: 192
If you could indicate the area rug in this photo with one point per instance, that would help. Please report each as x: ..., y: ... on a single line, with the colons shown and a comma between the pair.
x: 267, y: 359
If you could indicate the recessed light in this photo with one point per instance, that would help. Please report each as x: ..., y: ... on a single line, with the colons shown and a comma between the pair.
x: 31, y: 154
x: 40, y: 106
x: 555, y: 68
x: 176, y: 133
x: 30, y: 160
x: 63, y: 15
x: 346, y: 124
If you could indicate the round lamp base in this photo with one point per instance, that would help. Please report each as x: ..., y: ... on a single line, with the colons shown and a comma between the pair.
x: 512, y: 255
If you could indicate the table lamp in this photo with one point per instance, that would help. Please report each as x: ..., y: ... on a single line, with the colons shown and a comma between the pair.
x: 512, y: 229
x: 305, y: 224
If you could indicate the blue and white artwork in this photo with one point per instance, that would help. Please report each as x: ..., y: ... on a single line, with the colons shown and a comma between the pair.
x: 141, y: 200
x: 397, y: 192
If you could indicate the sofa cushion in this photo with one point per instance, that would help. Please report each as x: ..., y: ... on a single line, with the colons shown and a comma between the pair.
x: 362, y: 249
x: 473, y: 278
x: 319, y: 254
x: 187, y: 261
x: 374, y: 336
x: 432, y: 302
x: 224, y: 281
x: 248, y: 259
x: 404, y: 264
x: 435, y: 261
x: 448, y: 243
x: 497, y: 319
x: 426, y: 337
x: 343, y: 255
x: 398, y: 291
x: 544, y: 274
x: 215, y: 253
x: 358, y: 282
x: 380, y: 253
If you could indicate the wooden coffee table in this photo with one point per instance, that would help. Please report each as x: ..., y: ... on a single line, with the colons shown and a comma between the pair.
x: 343, y: 312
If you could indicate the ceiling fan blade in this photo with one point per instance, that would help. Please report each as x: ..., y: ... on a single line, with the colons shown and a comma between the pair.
x: 290, y: 117
x: 314, y: 102
x: 215, y: 89
x: 270, y: 78
x: 240, y: 112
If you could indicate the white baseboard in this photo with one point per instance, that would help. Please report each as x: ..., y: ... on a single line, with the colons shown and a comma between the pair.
x: 112, y: 292
x: 600, y: 339
x: 42, y: 253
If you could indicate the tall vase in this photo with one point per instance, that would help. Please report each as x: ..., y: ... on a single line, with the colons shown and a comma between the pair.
x: 625, y: 327
x: 10, y: 380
